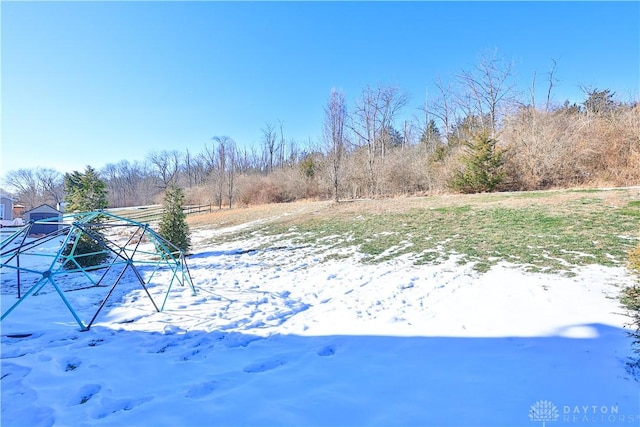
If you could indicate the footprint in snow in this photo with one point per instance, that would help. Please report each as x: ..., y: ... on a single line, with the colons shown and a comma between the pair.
x: 83, y: 395
x: 235, y: 339
x: 70, y: 364
x: 110, y: 406
x: 12, y: 353
x: 203, y: 389
x: 192, y: 354
x: 258, y: 367
x: 18, y: 399
x: 13, y: 371
x: 328, y: 350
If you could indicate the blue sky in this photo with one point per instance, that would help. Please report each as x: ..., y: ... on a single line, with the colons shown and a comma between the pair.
x: 91, y: 83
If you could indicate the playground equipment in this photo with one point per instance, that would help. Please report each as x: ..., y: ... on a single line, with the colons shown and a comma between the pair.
x: 57, y: 257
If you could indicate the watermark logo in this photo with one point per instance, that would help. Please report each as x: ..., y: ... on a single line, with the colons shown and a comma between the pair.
x: 544, y: 411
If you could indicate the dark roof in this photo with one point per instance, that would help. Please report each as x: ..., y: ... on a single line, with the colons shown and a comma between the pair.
x: 37, y: 207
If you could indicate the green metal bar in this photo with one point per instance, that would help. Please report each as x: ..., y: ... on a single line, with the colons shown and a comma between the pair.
x: 17, y: 303
x: 40, y: 286
x: 72, y: 258
x: 104, y: 301
x: 166, y: 296
x: 139, y: 276
x: 79, y: 269
x: 13, y: 236
x: 165, y: 255
x: 153, y: 273
x: 135, y: 249
x: 162, y: 260
x: 66, y: 302
x: 17, y: 255
x: 24, y: 247
x: 185, y: 267
x: 22, y: 269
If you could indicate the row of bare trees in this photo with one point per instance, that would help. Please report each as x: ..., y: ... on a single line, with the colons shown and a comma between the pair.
x: 370, y: 149
x: 36, y: 186
x: 209, y: 176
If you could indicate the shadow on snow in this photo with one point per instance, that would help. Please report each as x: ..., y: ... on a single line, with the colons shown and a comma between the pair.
x: 196, y: 378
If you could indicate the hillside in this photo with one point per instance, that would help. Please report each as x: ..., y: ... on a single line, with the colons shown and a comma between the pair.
x: 371, y: 312
x: 542, y: 229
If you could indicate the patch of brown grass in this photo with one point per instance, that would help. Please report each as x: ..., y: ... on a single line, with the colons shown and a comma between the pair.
x: 263, y: 212
x: 320, y: 209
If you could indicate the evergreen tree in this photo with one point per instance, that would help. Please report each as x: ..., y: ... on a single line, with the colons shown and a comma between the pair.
x: 482, y: 163
x: 430, y: 137
x: 391, y: 137
x: 466, y: 128
x: 173, y: 224
x: 85, y: 192
x: 600, y: 101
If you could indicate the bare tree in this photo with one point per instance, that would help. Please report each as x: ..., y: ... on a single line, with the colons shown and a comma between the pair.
x: 37, y: 186
x: 166, y: 164
x: 193, y: 169
x: 244, y: 160
x: 294, y: 153
x: 232, y: 152
x: 220, y: 167
x: 144, y: 182
x: 24, y: 184
x: 442, y: 108
x: 488, y: 89
x: 334, y: 125
x: 224, y: 170
x: 115, y: 193
x: 128, y: 183
x: 51, y: 184
x: 371, y: 121
x: 208, y: 158
x: 552, y: 81
x: 363, y: 124
x: 269, y: 141
x: 282, y: 145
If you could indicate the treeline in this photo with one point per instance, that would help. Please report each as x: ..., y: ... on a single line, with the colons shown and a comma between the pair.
x: 477, y: 127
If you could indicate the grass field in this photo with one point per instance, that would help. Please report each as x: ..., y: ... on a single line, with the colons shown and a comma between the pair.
x: 544, y: 231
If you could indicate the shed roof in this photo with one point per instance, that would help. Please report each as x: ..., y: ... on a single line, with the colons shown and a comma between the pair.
x: 39, y: 208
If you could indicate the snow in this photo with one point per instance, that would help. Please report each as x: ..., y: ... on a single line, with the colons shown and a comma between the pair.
x: 281, y: 337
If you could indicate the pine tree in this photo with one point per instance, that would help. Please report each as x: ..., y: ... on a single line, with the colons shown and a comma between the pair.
x: 482, y: 163
x: 600, y: 101
x: 173, y: 224
x: 430, y: 137
x: 85, y: 192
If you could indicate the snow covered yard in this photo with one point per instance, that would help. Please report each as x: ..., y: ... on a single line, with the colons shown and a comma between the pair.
x: 281, y: 337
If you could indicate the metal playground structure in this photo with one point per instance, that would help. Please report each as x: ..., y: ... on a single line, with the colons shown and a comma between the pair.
x: 55, y: 258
